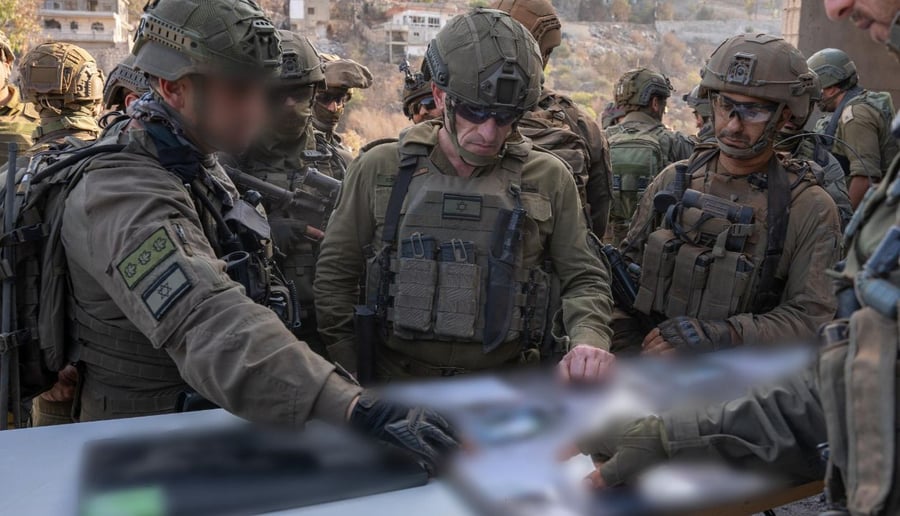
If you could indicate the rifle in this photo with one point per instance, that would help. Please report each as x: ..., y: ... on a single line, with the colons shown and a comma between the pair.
x: 623, y: 285
x: 8, y: 355
x: 312, y: 199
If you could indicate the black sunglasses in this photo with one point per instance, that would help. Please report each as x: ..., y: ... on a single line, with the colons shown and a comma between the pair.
x: 428, y: 103
x: 327, y: 98
x: 480, y: 115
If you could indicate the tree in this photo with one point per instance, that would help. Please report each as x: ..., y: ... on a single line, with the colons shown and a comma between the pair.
x: 620, y: 10
x: 19, y: 21
x: 665, y: 11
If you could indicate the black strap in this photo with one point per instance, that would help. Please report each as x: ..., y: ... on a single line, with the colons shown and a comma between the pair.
x: 777, y: 217
x: 831, y: 128
x: 391, y: 227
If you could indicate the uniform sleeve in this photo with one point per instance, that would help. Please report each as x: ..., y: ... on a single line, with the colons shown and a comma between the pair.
x: 341, y: 262
x: 146, y: 249
x: 682, y: 147
x: 599, y: 187
x: 775, y: 428
x: 584, y: 280
x: 860, y: 129
x: 811, y: 247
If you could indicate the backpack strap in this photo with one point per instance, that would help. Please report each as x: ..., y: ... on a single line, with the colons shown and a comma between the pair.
x: 777, y: 217
x: 831, y: 128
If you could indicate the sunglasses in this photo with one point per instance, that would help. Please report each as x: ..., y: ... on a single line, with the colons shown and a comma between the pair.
x: 479, y: 115
x: 427, y: 103
x: 327, y: 98
x: 750, y: 112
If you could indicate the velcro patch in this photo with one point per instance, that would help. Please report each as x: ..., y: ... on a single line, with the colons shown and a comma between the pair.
x: 465, y: 207
x: 847, y: 115
x: 166, y: 290
x: 152, y: 251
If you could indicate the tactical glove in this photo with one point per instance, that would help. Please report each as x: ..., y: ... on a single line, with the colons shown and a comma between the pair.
x: 626, y: 450
x: 287, y: 233
x: 419, y: 432
x: 689, y: 335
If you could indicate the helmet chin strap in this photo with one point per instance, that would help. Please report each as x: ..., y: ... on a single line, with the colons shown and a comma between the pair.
x: 469, y: 158
x: 765, y: 139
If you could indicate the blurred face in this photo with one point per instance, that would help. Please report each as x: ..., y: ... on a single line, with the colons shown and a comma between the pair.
x: 224, y: 114
x: 872, y: 15
x: 479, y: 132
x: 291, y: 107
x: 740, y: 121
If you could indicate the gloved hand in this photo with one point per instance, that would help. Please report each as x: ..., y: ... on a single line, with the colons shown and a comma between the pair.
x: 287, y: 233
x: 688, y: 335
x: 420, y: 432
x: 622, y: 451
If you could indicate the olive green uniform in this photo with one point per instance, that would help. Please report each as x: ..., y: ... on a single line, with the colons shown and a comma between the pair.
x: 865, y: 127
x: 154, y: 310
x: 330, y: 143
x: 673, y: 147
x: 852, y: 394
x: 599, y: 173
x: 832, y: 177
x: 554, y: 230
x: 18, y: 120
x: 672, y: 286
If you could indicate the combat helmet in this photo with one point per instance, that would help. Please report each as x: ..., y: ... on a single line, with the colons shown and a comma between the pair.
x: 697, y: 102
x: 415, y: 88
x: 638, y: 87
x: 56, y: 74
x: 539, y: 18
x: 122, y: 80
x: 765, y: 67
x: 300, y: 62
x: 834, y: 67
x: 228, y: 37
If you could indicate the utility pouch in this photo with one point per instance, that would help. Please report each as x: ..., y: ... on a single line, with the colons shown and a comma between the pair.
x: 720, y: 288
x: 656, y: 271
x: 742, y: 278
x: 458, y: 298
x: 415, y: 285
x: 699, y: 278
x: 833, y: 393
x: 679, y: 295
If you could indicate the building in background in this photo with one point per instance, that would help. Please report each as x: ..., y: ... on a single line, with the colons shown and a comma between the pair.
x: 310, y: 17
x: 412, y: 26
x: 99, y: 26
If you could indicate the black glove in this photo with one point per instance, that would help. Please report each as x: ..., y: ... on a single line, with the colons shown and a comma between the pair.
x: 287, y: 233
x: 626, y: 449
x: 420, y: 432
x: 689, y: 335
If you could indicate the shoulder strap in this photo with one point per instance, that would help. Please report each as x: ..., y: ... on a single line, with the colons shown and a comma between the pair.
x: 831, y: 128
x: 777, y: 217
x: 398, y: 194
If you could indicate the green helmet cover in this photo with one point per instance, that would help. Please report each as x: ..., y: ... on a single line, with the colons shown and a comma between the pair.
x: 833, y: 66
x: 300, y: 62
x: 638, y: 87
x: 121, y: 81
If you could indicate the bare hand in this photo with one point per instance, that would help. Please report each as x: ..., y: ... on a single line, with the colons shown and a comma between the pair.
x: 594, y: 479
x: 584, y: 363
x: 64, y: 388
x: 655, y: 344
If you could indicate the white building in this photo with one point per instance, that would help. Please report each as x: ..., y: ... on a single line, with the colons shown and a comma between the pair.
x: 91, y: 24
x: 413, y: 26
x: 310, y: 16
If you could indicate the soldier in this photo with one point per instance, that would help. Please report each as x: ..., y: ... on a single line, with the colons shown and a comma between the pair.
x: 123, y: 86
x: 540, y: 18
x: 640, y: 145
x: 18, y: 119
x: 459, y: 221
x: 860, y: 121
x: 733, y: 244
x: 702, y: 116
x: 66, y: 86
x: 418, y: 102
x: 63, y: 81
x: 341, y: 76
x: 277, y: 157
x: 612, y: 115
x: 155, y: 241
x: 848, y: 399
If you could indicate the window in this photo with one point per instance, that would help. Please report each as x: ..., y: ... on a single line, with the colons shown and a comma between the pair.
x: 52, y: 24
x: 417, y: 20
x: 434, y: 22
x: 97, y: 27
x: 74, y: 26
x: 311, y: 11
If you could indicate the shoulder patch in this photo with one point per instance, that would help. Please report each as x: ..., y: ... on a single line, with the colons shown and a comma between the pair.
x: 162, y: 294
x: 847, y: 115
x: 152, y: 251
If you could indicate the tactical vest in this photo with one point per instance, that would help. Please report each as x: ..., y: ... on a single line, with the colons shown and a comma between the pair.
x: 857, y: 369
x: 452, y: 267
x: 710, y: 260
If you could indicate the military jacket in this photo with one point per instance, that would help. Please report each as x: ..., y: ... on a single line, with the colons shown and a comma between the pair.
x: 18, y: 120
x: 555, y: 229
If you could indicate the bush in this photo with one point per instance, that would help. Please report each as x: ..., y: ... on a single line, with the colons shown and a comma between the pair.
x: 706, y: 13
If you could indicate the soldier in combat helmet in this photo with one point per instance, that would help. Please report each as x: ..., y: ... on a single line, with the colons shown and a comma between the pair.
x: 18, y: 119
x: 422, y: 216
x: 123, y: 86
x: 164, y: 256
